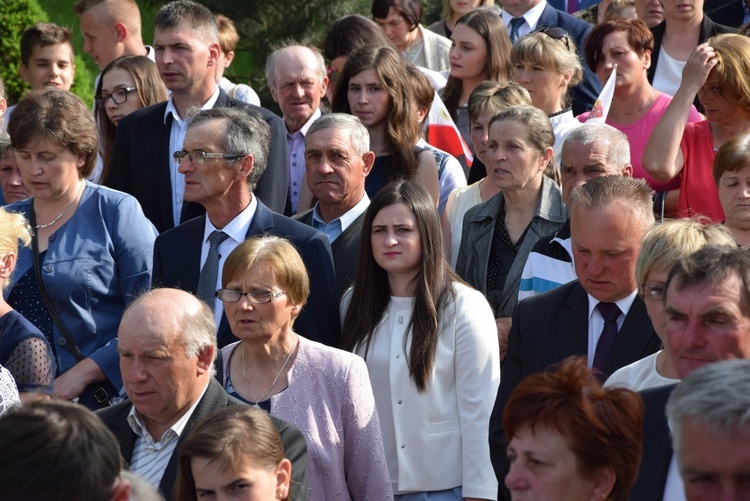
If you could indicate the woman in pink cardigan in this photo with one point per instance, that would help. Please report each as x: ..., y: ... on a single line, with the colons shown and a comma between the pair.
x: 323, y: 391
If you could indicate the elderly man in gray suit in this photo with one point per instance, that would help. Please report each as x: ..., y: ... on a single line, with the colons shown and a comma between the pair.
x: 337, y: 161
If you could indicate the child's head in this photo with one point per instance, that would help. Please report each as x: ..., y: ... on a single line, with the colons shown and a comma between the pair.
x: 47, y: 56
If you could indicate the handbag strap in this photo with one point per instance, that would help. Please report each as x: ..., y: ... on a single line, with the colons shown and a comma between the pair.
x: 50, y: 308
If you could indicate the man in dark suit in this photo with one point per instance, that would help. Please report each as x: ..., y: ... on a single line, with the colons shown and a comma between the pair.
x: 338, y: 156
x: 167, y: 350
x: 707, y: 310
x: 609, y: 216
x: 734, y: 13
x: 224, y: 155
x: 532, y: 14
x: 187, y: 49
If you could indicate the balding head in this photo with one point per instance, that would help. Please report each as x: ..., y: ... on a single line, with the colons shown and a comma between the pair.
x: 593, y: 150
x: 297, y: 81
x: 167, y: 346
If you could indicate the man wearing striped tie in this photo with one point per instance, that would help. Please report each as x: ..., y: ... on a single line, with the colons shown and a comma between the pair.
x: 167, y: 347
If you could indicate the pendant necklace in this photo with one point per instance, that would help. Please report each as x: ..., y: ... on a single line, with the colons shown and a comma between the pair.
x: 278, y: 374
x: 42, y: 226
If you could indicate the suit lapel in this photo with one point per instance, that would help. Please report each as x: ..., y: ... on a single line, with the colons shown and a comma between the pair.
x: 158, y: 138
x: 191, y: 253
x: 573, y: 325
x: 633, y: 339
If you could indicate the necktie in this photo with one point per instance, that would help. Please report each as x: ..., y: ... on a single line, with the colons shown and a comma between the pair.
x: 210, y: 271
x: 609, y: 312
x: 572, y: 6
x: 515, y: 25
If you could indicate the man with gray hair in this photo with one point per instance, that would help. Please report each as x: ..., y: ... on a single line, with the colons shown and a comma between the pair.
x: 167, y: 349
x: 709, y: 415
x: 298, y: 81
x: 599, y: 315
x: 589, y: 151
x: 186, y: 42
x: 223, y: 157
x: 707, y: 310
x: 338, y: 159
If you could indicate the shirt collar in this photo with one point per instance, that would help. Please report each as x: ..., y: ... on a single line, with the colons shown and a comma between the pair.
x: 135, y: 420
x: 237, y: 228
x: 304, y: 128
x: 531, y: 16
x: 348, y: 217
x: 624, y: 304
x: 171, y: 109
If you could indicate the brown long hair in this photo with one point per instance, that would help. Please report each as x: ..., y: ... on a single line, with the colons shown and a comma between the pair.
x: 433, y: 284
x: 491, y: 28
x: 402, y: 129
x: 151, y: 90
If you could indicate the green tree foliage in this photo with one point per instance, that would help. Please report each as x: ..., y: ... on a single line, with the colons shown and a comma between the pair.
x: 15, y: 16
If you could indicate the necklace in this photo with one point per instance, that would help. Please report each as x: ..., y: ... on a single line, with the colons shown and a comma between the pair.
x: 42, y: 226
x: 278, y: 374
x: 640, y: 110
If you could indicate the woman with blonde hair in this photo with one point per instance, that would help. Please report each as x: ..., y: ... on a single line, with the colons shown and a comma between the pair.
x: 374, y: 87
x: 236, y: 450
x: 24, y: 350
x: 323, y: 391
x: 546, y: 64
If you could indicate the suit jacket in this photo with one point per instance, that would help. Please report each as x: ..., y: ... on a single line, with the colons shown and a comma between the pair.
x: 708, y: 29
x: 116, y: 419
x: 177, y: 256
x: 141, y: 162
x: 586, y: 92
x: 345, y: 251
x: 657, y: 445
x: 537, y: 341
x: 583, y: 4
x: 730, y: 14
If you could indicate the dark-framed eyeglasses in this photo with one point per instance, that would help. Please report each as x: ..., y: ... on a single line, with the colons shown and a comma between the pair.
x: 653, y: 291
x: 199, y: 157
x: 255, y: 297
x: 555, y: 32
x: 118, y: 96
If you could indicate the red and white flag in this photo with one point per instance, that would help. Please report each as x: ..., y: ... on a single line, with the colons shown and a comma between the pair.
x: 599, y: 112
x: 443, y: 134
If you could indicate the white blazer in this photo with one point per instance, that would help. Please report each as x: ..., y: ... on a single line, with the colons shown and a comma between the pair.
x: 442, y: 434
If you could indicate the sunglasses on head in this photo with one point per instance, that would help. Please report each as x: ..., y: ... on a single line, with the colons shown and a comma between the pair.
x: 555, y: 32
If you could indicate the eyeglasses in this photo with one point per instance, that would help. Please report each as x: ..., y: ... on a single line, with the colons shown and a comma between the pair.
x: 655, y: 291
x: 255, y: 297
x: 555, y: 32
x: 199, y: 157
x: 118, y: 96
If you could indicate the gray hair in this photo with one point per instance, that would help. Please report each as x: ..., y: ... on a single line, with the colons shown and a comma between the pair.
x: 5, y: 144
x: 198, y: 16
x: 603, y: 191
x: 618, y: 146
x: 245, y: 132
x: 319, y: 66
x: 715, y: 395
x: 713, y: 264
x: 358, y: 135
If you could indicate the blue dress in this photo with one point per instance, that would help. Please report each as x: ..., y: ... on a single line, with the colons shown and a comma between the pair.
x: 25, y: 352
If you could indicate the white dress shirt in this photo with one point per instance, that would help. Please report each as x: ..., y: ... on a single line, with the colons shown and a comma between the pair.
x: 531, y: 17
x: 296, y: 143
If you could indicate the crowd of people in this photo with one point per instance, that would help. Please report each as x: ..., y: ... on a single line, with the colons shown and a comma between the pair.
x: 451, y: 269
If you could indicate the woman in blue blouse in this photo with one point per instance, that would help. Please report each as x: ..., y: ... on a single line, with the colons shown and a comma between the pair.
x: 94, y: 245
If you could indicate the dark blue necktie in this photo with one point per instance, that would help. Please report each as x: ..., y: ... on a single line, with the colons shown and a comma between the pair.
x: 610, y: 312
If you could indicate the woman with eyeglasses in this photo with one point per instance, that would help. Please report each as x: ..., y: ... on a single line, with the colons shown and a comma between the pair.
x: 662, y: 247
x: 636, y: 105
x: 91, y: 247
x: 126, y: 84
x: 546, y: 64
x: 323, y: 391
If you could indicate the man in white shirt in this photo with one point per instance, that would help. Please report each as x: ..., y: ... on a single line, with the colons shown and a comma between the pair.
x: 186, y: 42
x: 707, y: 310
x: 167, y: 349
x: 599, y: 315
x: 223, y: 156
x: 338, y: 159
x: 297, y: 79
